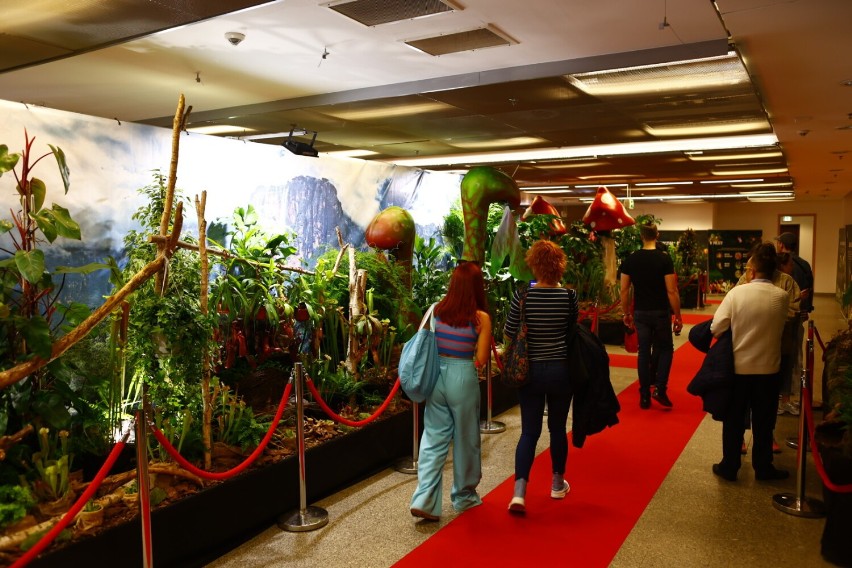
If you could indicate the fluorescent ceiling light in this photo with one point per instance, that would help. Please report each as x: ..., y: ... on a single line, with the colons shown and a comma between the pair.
x: 778, y: 184
x: 767, y: 192
x: 566, y: 189
x: 217, y: 129
x: 597, y: 185
x: 716, y: 157
x: 749, y: 172
x: 385, y: 112
x: 498, y: 143
x: 350, y: 153
x: 709, y: 72
x: 769, y: 199
x: 663, y: 183
x: 541, y: 187
x: 730, y: 180
x: 627, y: 148
x: 705, y: 128
x: 783, y: 195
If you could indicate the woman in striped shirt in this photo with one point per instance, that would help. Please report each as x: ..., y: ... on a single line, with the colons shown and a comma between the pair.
x: 463, y: 332
x: 550, y: 312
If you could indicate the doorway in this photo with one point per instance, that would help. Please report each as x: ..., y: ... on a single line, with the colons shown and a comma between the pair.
x: 804, y: 227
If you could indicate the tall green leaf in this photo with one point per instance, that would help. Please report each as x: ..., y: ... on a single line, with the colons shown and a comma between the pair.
x: 30, y: 264
x: 63, y: 167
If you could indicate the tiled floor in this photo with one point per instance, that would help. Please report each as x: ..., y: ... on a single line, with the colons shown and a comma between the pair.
x: 694, y: 519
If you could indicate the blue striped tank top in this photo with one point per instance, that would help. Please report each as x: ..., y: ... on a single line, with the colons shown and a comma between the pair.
x: 455, y: 341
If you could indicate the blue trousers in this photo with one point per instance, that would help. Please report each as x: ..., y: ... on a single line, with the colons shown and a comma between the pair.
x: 656, y: 349
x: 451, y: 415
x: 549, y: 383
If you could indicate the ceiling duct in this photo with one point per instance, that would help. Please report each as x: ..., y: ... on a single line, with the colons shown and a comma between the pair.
x: 377, y: 12
x: 461, y: 41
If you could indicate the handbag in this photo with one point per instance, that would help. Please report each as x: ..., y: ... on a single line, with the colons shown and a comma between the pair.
x: 516, y: 364
x: 631, y: 340
x: 419, y: 365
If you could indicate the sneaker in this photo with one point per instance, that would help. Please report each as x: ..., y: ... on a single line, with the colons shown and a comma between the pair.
x: 661, y: 397
x: 517, y: 506
x: 791, y: 408
x: 560, y: 493
x: 420, y: 513
x: 644, y: 401
x: 776, y: 449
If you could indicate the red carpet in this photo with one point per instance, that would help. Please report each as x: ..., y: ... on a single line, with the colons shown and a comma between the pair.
x: 613, y: 478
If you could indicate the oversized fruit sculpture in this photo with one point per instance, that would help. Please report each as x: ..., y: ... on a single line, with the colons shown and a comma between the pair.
x: 480, y: 187
x: 393, y: 230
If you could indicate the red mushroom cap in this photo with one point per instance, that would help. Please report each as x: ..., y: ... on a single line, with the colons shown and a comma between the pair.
x: 540, y: 206
x: 606, y: 213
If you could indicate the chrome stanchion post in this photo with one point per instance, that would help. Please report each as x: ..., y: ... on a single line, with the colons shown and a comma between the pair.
x: 409, y: 465
x: 143, y: 483
x: 798, y: 504
x: 306, y: 518
x: 489, y: 426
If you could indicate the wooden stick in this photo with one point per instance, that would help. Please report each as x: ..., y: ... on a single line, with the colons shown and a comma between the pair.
x: 206, y: 403
x: 177, y: 124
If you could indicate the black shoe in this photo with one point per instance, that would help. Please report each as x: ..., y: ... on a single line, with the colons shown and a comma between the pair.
x: 717, y: 469
x: 771, y: 474
x: 644, y: 401
x: 660, y: 396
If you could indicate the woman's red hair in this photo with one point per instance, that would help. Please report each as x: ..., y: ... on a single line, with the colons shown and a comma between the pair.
x: 465, y: 295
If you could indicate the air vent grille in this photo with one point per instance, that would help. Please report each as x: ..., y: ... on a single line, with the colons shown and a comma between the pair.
x: 458, y: 42
x: 376, y: 12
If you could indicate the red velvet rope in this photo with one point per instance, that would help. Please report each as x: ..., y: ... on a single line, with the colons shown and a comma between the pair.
x: 172, y: 451
x: 78, y: 505
x: 338, y: 418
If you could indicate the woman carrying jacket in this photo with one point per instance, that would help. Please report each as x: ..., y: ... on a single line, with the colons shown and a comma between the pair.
x: 550, y: 312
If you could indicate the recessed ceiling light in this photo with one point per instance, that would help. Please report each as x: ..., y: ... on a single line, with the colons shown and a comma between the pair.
x: 846, y: 83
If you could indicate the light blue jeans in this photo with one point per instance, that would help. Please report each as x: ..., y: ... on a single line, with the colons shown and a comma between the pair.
x: 451, y: 415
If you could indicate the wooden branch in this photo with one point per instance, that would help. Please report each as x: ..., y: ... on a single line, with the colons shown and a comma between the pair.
x: 227, y: 255
x: 177, y: 125
x: 7, y: 442
x: 15, y: 374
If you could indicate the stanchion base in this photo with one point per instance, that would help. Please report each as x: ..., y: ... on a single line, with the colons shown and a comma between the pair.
x: 406, y: 465
x: 492, y: 427
x: 791, y: 504
x: 792, y: 443
x: 310, y: 519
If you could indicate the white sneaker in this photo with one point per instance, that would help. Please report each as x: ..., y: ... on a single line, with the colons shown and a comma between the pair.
x: 560, y: 493
x: 517, y: 505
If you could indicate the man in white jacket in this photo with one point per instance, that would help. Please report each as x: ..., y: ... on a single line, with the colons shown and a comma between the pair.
x: 755, y: 313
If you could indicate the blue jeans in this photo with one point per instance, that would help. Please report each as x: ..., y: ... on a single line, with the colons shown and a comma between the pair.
x: 549, y: 383
x: 656, y: 349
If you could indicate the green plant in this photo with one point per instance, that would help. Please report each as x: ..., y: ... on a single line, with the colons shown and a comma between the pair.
x: 15, y: 501
x: 52, y: 464
x: 431, y: 271
x: 235, y: 422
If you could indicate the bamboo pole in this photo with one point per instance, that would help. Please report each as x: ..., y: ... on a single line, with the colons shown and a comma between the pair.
x: 207, y: 406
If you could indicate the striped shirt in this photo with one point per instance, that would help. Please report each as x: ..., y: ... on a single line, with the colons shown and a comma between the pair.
x: 455, y: 341
x: 550, y: 313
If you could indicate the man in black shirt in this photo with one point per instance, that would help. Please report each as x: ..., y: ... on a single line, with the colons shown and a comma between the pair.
x: 804, y: 277
x: 650, y: 273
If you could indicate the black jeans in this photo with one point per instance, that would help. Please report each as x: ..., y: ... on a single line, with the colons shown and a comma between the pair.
x: 760, y: 394
x: 549, y: 382
x: 656, y: 349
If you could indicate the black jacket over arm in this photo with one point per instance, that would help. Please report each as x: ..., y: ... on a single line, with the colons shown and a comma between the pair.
x: 595, y: 405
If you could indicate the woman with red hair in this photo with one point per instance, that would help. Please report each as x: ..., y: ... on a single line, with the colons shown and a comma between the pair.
x: 463, y: 331
x: 550, y: 312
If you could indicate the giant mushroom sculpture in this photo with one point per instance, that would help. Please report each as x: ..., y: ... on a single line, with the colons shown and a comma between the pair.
x: 540, y: 206
x: 604, y: 214
x: 480, y: 187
